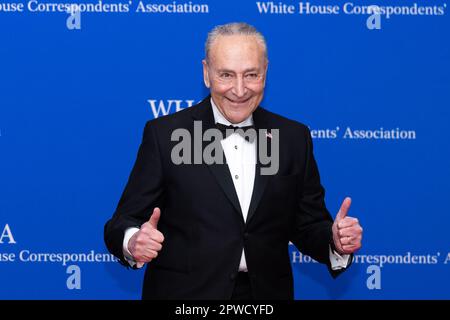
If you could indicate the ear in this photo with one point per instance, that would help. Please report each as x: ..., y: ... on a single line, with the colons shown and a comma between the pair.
x: 206, y: 74
x: 265, y: 72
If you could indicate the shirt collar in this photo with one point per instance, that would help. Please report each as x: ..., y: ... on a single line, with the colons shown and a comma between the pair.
x: 219, y: 118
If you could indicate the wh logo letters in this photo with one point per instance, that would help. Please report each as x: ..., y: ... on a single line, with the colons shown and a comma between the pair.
x: 163, y: 108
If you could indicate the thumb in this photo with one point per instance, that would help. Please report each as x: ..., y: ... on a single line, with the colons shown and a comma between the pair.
x: 155, y: 218
x: 345, y: 206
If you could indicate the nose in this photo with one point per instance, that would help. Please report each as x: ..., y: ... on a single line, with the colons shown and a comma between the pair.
x: 239, y: 89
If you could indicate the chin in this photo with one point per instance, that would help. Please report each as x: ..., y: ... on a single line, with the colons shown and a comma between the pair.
x: 236, y: 118
x: 239, y: 114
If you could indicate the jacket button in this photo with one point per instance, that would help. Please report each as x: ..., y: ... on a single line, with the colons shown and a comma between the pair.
x: 246, y: 235
x: 233, y: 276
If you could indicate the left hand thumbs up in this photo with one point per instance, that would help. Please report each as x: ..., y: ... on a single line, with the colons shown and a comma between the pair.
x: 347, y: 232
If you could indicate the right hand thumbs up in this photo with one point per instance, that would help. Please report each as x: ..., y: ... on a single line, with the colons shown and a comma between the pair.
x: 145, y: 244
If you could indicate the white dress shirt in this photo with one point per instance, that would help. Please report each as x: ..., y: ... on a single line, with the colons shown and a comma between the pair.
x: 241, y: 159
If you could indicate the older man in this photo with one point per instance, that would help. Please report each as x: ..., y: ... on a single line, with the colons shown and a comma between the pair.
x: 221, y: 231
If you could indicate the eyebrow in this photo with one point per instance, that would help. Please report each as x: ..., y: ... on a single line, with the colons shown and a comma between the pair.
x: 231, y: 71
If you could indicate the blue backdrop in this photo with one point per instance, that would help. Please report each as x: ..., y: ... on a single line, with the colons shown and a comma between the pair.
x: 76, y: 91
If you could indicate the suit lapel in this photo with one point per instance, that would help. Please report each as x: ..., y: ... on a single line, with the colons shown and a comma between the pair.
x: 223, y: 177
x: 221, y: 172
x: 260, y: 182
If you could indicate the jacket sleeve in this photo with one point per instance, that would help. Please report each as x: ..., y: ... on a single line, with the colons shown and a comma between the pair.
x: 143, y: 192
x: 311, y: 232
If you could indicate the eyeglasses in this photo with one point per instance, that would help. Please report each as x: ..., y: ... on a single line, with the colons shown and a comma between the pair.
x: 227, y: 77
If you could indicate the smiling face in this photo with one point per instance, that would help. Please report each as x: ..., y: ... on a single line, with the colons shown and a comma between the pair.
x: 236, y: 75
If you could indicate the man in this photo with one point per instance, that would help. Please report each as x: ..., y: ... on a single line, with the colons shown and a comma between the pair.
x: 221, y: 231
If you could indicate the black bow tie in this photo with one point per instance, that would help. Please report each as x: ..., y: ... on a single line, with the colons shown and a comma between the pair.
x: 232, y: 129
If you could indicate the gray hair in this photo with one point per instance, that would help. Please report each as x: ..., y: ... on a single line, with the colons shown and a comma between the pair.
x: 234, y: 28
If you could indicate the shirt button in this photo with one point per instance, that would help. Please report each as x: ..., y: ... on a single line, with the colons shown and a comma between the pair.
x: 235, y: 147
x: 236, y: 177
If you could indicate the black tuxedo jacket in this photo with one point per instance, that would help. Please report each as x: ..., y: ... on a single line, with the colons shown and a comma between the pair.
x: 201, y: 218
